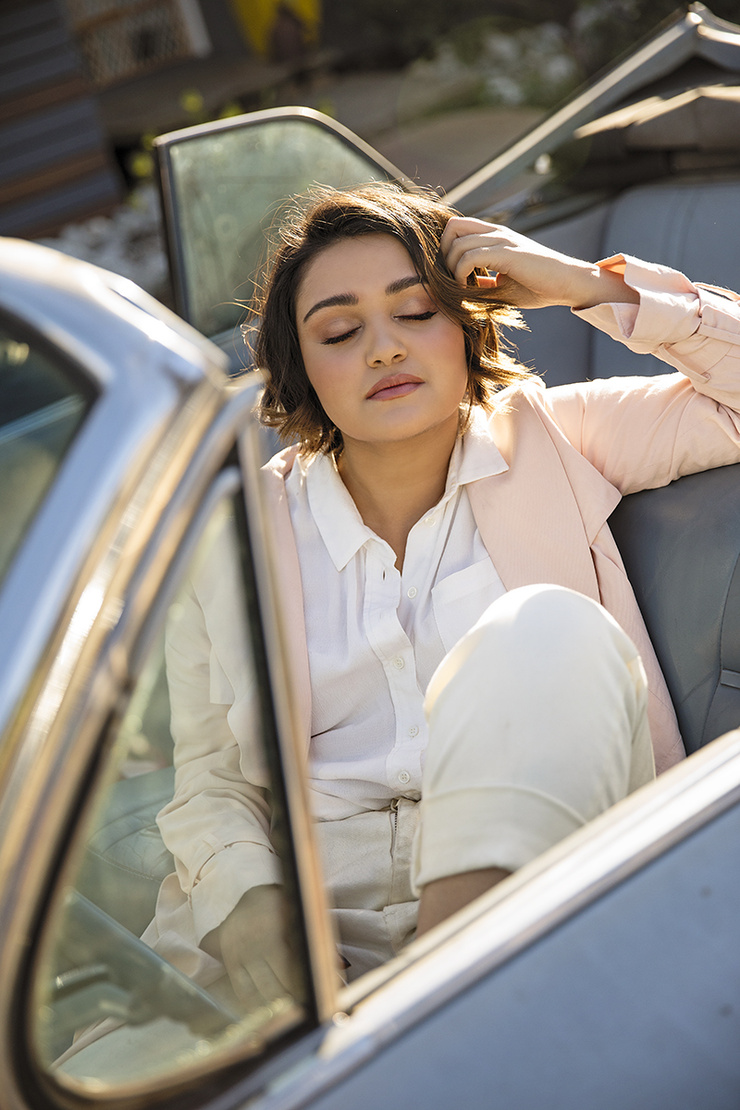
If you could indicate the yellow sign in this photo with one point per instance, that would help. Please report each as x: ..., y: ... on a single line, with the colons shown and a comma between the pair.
x: 259, y: 20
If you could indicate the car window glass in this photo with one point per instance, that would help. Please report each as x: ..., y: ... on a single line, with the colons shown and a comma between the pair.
x: 170, y: 836
x: 41, y: 407
x: 227, y: 185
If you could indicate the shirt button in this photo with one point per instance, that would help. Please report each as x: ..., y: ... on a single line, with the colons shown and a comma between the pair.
x: 431, y: 520
x: 398, y: 663
x: 413, y: 731
x: 404, y: 777
x: 412, y: 592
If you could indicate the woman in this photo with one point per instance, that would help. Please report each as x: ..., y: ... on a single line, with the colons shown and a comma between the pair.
x: 442, y: 537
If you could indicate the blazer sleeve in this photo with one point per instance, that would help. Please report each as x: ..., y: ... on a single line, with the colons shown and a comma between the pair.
x: 217, y: 825
x: 644, y: 432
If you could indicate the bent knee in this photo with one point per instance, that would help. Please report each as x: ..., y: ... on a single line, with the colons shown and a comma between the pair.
x: 537, y: 634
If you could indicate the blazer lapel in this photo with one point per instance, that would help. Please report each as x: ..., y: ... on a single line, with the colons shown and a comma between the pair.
x: 538, y: 518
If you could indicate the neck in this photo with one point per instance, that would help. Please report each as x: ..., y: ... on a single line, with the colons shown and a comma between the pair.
x: 394, y: 484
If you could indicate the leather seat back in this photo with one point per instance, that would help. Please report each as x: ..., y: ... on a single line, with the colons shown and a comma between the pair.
x: 681, y: 549
x: 692, y: 227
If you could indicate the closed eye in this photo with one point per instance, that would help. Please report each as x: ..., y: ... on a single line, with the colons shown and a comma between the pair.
x: 340, y: 338
x: 408, y: 316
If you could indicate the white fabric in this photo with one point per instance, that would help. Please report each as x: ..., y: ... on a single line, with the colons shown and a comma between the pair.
x: 375, y: 636
x: 538, y: 723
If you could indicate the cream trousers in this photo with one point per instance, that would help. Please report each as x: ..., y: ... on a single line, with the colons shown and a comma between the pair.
x: 537, y: 723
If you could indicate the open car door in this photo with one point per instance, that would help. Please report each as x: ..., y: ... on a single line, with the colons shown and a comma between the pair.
x: 222, y: 187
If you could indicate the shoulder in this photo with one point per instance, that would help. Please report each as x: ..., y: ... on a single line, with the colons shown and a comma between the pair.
x: 280, y: 465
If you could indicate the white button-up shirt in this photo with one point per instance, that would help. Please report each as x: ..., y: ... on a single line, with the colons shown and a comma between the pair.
x: 376, y: 635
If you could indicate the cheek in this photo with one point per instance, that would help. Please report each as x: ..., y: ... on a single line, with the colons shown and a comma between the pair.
x: 326, y: 380
x: 451, y: 348
x: 318, y: 371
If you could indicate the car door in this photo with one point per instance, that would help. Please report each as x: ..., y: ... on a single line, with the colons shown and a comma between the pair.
x: 222, y: 186
x: 123, y: 456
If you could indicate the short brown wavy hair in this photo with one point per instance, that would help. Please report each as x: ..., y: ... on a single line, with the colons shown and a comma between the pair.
x: 326, y: 216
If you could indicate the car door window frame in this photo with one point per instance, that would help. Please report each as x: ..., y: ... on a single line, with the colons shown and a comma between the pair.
x: 80, y: 389
x: 171, y: 200
x: 118, y: 669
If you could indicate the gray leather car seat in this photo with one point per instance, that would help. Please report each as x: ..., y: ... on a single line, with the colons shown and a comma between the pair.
x: 681, y: 549
x: 681, y: 544
x: 126, y: 860
x: 693, y: 227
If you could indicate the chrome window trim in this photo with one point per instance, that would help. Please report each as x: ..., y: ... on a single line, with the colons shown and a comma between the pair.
x: 322, y: 945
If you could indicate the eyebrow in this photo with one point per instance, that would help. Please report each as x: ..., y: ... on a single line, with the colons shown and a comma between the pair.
x: 396, y: 286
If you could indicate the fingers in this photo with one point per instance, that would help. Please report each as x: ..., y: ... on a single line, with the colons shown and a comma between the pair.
x: 527, y: 274
x: 260, y: 980
x: 460, y: 226
x: 255, y: 950
x: 470, y: 244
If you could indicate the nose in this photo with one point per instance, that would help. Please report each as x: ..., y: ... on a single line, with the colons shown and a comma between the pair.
x: 384, y: 345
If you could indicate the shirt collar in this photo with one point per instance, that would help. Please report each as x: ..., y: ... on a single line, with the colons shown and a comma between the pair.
x: 340, y: 525
x: 334, y: 512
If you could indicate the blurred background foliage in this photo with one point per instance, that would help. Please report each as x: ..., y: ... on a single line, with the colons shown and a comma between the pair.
x: 389, y: 33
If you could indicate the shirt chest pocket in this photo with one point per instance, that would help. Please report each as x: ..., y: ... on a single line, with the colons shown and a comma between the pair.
x: 461, y: 598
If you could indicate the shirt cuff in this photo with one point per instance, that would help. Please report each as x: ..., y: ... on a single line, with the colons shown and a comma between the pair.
x: 225, y: 878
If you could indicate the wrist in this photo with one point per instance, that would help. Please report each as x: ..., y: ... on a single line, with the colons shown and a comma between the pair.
x: 602, y: 286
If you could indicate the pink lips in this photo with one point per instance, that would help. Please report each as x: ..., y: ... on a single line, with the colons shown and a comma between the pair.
x: 396, y: 385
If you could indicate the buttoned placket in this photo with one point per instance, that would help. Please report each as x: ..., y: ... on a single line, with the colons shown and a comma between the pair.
x: 397, y: 616
x: 394, y: 650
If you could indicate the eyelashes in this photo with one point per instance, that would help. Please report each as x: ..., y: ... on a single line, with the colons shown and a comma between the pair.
x: 339, y: 338
x: 421, y: 315
x: 348, y: 334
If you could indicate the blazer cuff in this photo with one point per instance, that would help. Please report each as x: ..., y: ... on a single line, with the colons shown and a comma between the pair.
x: 669, y: 310
x: 225, y: 877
